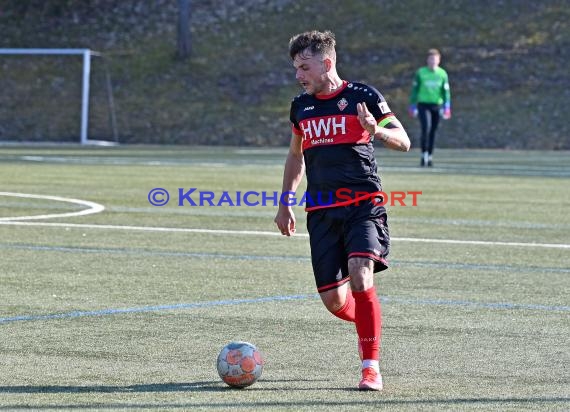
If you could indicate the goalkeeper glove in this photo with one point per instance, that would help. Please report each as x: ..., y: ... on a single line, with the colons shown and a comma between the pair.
x: 446, y: 111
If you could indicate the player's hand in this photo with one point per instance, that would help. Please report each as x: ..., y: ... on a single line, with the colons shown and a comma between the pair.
x: 367, y: 120
x: 412, y: 110
x: 285, y: 221
x: 446, y: 111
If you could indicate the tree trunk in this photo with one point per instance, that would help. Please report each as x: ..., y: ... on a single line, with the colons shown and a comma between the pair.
x: 184, y: 43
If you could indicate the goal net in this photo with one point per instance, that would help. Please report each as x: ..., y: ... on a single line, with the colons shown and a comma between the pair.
x: 56, y: 95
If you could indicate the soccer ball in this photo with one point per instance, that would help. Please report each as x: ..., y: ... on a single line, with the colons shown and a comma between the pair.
x: 240, y: 364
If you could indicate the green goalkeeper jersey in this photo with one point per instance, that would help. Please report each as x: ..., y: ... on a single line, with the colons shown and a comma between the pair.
x: 430, y: 86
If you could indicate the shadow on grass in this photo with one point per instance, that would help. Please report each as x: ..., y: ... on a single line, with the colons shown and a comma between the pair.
x: 205, y: 386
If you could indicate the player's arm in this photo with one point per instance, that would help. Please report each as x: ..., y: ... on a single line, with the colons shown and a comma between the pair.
x: 292, y: 176
x: 413, y: 106
x: 393, y: 135
x: 446, y: 95
x: 389, y: 131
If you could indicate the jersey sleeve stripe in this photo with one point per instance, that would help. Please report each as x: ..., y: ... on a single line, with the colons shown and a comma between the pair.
x: 384, y: 121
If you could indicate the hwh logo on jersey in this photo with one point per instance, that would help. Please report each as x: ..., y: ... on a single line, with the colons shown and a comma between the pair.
x: 330, y: 126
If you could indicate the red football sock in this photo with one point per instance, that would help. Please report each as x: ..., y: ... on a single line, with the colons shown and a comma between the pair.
x: 368, y: 316
x: 347, y: 312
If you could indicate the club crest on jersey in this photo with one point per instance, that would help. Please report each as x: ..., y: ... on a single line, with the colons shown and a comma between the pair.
x: 342, y: 103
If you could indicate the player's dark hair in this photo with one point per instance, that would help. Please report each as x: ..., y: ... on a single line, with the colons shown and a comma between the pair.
x: 314, y: 41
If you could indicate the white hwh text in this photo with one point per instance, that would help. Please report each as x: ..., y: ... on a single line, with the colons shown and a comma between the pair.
x: 326, y: 127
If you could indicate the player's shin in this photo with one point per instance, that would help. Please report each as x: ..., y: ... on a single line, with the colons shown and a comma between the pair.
x: 368, y: 324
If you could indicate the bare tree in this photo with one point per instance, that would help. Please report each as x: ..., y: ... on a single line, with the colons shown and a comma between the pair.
x: 184, y: 41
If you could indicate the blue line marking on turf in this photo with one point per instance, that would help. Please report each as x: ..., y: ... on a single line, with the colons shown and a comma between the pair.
x: 484, y: 305
x: 161, y: 308
x: 146, y: 252
x: 143, y: 252
x: 157, y: 308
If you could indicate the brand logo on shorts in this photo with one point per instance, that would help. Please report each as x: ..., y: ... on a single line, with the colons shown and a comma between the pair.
x: 342, y: 103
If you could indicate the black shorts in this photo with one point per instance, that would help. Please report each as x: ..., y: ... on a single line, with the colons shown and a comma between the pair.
x: 339, y: 233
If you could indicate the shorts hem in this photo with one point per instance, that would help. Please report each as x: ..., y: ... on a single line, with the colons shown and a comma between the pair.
x: 380, y: 263
x: 331, y: 286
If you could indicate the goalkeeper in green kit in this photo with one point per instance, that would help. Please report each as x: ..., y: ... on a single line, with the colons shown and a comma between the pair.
x: 430, y: 98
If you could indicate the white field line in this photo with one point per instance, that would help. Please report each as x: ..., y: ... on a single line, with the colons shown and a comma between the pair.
x: 92, y: 207
x: 276, y: 233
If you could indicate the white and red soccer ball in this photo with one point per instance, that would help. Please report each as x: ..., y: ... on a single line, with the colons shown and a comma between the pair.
x: 240, y: 364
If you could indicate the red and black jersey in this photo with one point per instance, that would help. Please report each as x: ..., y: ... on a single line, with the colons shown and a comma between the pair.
x: 338, y: 151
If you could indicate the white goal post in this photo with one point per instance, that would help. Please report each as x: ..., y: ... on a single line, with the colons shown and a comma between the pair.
x: 86, y: 53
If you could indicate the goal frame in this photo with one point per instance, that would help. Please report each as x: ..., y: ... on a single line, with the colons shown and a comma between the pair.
x: 86, y: 53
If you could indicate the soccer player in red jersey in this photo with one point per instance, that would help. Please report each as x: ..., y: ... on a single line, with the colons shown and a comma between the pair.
x: 334, y: 123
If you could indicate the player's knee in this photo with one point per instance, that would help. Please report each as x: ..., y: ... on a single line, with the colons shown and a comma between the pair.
x: 333, y: 300
x: 359, y: 266
x: 360, y: 284
x: 361, y: 272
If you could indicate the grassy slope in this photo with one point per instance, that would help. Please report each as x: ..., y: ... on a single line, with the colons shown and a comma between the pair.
x: 507, y: 62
